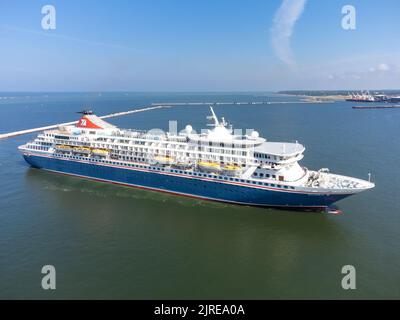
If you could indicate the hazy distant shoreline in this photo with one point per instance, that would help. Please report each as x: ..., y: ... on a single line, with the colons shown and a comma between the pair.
x: 316, y: 98
x: 330, y: 95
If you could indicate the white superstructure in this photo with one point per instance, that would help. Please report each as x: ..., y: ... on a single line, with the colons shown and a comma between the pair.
x: 216, y: 153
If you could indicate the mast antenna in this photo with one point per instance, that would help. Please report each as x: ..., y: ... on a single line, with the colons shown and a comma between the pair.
x: 213, y: 117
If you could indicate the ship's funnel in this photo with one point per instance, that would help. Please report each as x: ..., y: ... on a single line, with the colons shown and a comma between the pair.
x: 91, y: 121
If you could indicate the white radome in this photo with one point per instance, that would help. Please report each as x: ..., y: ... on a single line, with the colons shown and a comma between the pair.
x: 188, y: 128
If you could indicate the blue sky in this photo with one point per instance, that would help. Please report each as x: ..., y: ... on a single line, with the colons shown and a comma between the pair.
x: 199, y: 45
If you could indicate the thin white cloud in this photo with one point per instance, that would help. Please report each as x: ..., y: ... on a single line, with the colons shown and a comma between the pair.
x: 383, y: 67
x: 380, y: 68
x: 64, y: 37
x: 284, y: 21
x: 377, y: 72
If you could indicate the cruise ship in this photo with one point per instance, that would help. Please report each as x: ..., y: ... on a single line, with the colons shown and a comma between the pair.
x: 217, y: 164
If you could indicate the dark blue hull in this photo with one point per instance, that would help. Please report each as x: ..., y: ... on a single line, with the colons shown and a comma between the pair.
x: 211, y: 189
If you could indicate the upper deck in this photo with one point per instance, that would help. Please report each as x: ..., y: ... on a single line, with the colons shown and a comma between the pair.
x: 281, y: 149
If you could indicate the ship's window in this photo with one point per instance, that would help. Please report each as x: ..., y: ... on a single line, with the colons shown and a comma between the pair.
x: 267, y: 175
x: 292, y: 188
x: 261, y: 175
x: 259, y: 182
x: 285, y: 187
x: 274, y: 176
x: 272, y: 185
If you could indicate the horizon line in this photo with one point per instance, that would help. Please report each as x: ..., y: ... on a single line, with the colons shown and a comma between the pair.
x: 191, y: 91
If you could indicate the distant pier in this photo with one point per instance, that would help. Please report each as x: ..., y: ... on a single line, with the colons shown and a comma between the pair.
x: 233, y: 103
x: 377, y: 107
x: 53, y: 126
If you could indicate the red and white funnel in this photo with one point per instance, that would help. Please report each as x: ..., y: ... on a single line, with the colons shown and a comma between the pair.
x: 91, y: 121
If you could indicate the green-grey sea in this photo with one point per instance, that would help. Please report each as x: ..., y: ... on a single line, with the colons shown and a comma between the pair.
x: 108, y: 241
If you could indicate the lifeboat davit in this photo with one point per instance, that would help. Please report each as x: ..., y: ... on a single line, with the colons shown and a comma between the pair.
x: 100, y: 152
x: 209, y: 166
x: 64, y: 148
x: 82, y: 150
x: 231, y: 169
x: 164, y: 160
